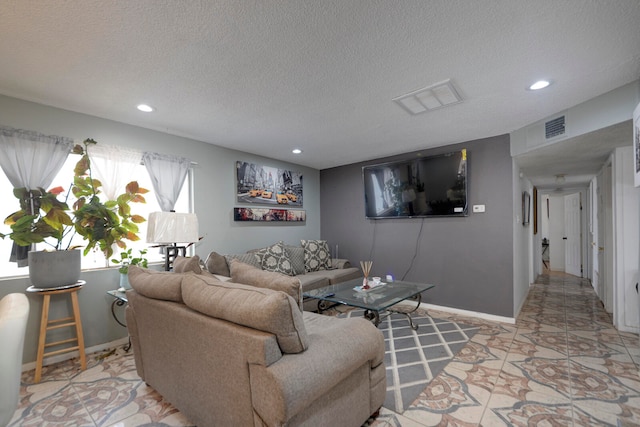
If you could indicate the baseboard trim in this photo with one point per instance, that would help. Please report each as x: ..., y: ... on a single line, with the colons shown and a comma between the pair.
x: 485, y: 316
x: 66, y: 356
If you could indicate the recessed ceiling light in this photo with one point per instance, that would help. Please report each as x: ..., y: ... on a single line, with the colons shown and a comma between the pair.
x: 296, y: 151
x: 540, y: 84
x: 145, y: 108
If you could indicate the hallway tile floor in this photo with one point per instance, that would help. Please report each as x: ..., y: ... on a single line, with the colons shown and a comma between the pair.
x: 562, y: 363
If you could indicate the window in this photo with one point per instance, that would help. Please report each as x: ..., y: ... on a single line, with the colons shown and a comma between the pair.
x: 95, y: 259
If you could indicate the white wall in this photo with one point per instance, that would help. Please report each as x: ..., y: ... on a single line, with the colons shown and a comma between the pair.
x: 522, y: 242
x: 605, y: 110
x: 626, y: 229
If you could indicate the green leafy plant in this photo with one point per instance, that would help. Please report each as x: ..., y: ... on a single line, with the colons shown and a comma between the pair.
x: 101, y: 224
x: 127, y: 259
x: 41, y: 216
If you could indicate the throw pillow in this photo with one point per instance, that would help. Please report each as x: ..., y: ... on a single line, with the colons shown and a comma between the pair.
x: 162, y: 285
x: 217, y: 264
x: 254, y: 276
x: 316, y: 255
x: 248, y: 258
x: 296, y: 256
x: 275, y: 258
x: 187, y: 264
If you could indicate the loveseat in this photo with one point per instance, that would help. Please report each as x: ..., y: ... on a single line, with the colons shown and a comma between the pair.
x: 310, y: 263
x: 228, y: 354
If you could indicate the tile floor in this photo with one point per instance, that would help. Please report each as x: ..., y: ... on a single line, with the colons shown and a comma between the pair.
x: 562, y: 364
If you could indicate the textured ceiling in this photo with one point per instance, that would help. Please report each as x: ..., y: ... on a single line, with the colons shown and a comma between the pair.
x: 266, y: 76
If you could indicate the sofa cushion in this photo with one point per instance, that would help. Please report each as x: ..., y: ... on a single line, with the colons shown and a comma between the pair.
x: 187, y: 264
x: 316, y: 255
x: 162, y: 285
x: 296, y: 256
x: 257, y: 308
x: 275, y: 258
x: 250, y: 275
x: 337, y: 275
x: 217, y: 264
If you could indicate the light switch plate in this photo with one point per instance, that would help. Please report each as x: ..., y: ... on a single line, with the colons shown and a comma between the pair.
x: 478, y: 208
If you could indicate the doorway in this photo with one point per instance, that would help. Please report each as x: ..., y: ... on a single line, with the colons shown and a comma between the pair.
x: 562, y: 232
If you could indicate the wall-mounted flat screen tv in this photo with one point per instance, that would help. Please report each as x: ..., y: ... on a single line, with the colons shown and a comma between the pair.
x: 419, y: 187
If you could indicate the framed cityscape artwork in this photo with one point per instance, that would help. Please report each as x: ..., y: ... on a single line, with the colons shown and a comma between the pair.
x: 265, y: 185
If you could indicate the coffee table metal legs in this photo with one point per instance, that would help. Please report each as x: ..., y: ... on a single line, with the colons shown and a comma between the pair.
x: 418, y: 299
x: 374, y: 316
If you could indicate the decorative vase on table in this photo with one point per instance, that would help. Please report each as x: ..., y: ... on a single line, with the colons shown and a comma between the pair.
x: 124, y: 281
x: 55, y: 268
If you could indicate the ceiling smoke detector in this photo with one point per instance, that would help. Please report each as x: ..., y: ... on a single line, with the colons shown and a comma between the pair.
x: 429, y: 98
x: 560, y: 178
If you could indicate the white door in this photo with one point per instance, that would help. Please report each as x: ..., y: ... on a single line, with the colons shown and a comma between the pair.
x: 594, y: 235
x: 605, y: 233
x: 573, y: 244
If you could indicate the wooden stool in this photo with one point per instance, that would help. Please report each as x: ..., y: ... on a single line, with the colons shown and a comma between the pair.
x: 47, y: 325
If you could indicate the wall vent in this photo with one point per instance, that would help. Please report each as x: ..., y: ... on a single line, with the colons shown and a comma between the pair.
x: 555, y: 127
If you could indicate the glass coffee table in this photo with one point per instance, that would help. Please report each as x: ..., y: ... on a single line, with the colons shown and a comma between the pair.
x: 377, y: 301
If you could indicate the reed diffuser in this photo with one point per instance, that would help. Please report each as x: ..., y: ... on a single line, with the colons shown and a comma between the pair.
x: 366, y: 269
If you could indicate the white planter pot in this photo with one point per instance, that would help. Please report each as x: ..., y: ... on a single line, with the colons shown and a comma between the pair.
x: 52, y: 269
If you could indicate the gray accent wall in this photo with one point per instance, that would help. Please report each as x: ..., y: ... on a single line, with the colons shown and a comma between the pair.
x: 470, y: 259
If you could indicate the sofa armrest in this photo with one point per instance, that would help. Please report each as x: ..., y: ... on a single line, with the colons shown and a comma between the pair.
x: 340, y: 263
x: 338, y: 348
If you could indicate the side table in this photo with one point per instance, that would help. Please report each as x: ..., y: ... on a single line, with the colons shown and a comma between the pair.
x: 119, y: 300
x: 47, y: 325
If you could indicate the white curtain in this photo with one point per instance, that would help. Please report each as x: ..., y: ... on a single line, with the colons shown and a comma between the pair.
x: 31, y: 160
x: 114, y: 167
x: 167, y: 176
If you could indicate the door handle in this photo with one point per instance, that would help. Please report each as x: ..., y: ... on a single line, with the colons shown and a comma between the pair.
x: 564, y: 238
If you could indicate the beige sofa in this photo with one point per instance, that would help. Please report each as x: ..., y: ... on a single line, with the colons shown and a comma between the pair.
x: 336, y: 271
x: 228, y: 354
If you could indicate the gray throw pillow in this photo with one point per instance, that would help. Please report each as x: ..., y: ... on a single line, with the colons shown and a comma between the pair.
x: 217, y: 264
x: 316, y: 255
x: 250, y: 259
x: 275, y: 258
x: 296, y: 256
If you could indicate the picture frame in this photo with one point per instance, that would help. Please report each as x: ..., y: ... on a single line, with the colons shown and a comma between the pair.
x: 535, y: 210
x: 526, y: 208
x: 636, y: 146
x: 269, y: 215
x: 268, y: 185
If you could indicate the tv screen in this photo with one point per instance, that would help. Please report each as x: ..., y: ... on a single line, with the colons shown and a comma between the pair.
x: 421, y: 187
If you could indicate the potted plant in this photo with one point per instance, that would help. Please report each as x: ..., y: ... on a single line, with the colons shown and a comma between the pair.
x: 43, y: 216
x: 127, y: 259
x: 103, y: 224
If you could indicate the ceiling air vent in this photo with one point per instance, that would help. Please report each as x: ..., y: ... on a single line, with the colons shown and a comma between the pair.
x: 555, y: 127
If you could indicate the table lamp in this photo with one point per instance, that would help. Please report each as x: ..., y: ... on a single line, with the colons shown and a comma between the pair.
x: 170, y: 228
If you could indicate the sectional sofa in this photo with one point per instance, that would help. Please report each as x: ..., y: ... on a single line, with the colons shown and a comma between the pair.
x: 241, y: 354
x: 310, y: 263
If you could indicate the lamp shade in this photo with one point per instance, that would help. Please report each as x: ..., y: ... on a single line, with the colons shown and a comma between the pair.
x: 172, y: 227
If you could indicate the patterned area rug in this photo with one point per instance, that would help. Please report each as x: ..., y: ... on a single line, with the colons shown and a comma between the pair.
x: 414, y: 358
